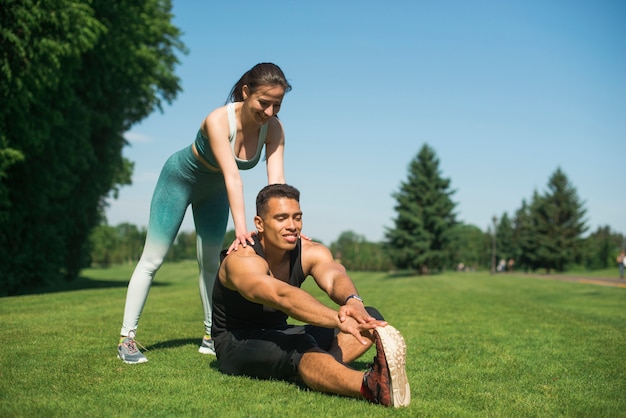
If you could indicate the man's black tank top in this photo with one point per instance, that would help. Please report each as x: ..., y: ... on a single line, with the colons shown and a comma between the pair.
x: 231, y: 311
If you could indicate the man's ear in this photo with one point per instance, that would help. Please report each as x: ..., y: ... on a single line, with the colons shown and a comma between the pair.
x: 258, y: 223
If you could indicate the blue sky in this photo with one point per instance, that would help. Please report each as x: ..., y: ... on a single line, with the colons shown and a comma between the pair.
x: 505, y: 92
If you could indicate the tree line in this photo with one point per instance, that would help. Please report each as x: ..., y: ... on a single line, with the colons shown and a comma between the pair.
x: 544, y: 234
x: 74, y: 76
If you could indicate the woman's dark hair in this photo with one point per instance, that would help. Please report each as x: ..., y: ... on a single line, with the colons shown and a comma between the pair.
x: 263, y: 74
x: 274, y: 190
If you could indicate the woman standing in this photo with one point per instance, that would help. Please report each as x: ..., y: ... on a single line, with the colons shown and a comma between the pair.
x: 206, y: 176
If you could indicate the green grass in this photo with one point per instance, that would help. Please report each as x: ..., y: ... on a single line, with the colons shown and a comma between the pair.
x: 478, y: 346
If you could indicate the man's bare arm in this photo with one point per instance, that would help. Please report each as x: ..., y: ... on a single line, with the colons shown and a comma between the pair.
x: 331, y: 277
x: 247, y: 274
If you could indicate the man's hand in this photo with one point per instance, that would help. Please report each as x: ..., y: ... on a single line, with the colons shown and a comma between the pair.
x: 356, y: 310
x: 351, y: 326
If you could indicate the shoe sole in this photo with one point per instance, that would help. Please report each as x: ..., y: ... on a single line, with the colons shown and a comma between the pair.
x: 395, y: 354
x: 205, y: 350
x: 143, y: 360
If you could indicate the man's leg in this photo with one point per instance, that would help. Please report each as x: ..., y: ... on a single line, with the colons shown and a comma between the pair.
x: 385, y: 383
x: 322, y: 372
x: 345, y: 348
x: 327, y: 372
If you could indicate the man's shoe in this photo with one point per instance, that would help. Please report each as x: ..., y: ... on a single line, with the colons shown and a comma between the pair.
x: 386, y: 382
x: 128, y: 352
x: 207, y: 346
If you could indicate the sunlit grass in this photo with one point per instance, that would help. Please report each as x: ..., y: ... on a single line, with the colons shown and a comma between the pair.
x: 478, y: 345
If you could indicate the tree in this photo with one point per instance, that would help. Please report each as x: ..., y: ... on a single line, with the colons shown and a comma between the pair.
x: 601, y: 248
x: 505, y: 248
x: 76, y: 75
x: 524, y: 236
x: 421, y: 237
x: 103, y: 242
x: 347, y: 248
x: 467, y: 246
x: 184, y: 247
x: 357, y: 254
x: 131, y: 240
x: 559, y: 224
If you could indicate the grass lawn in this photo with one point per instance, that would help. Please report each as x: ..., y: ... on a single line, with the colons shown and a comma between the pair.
x: 478, y: 346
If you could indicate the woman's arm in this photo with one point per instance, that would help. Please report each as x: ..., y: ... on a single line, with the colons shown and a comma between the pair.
x: 275, y: 150
x: 216, y: 127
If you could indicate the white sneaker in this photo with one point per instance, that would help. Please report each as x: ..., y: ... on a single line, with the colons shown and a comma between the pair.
x: 207, y: 346
x: 128, y: 352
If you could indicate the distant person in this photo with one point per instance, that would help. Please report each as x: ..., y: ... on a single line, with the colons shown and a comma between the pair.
x: 621, y: 261
x: 510, y: 264
x: 206, y: 176
x: 258, y: 288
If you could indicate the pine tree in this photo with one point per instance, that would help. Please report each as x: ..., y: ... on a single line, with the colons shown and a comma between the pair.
x: 559, y: 219
x: 504, y: 239
x: 524, y: 236
x: 422, y: 235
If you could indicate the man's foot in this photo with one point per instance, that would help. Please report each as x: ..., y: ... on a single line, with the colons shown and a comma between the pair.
x: 207, y: 346
x: 128, y: 352
x: 386, y: 382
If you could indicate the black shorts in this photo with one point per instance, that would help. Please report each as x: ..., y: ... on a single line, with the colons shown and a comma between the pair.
x: 272, y: 353
x: 269, y: 353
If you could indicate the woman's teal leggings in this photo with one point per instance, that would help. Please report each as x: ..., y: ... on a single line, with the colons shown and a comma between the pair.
x: 183, y: 182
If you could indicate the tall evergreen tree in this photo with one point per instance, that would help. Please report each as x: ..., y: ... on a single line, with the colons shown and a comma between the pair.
x: 422, y: 236
x: 76, y: 74
x: 523, y: 237
x: 505, y: 248
x: 559, y: 221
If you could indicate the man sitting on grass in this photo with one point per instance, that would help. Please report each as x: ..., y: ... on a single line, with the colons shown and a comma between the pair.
x: 258, y: 288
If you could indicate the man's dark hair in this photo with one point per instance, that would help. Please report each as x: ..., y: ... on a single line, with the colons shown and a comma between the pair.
x: 274, y: 190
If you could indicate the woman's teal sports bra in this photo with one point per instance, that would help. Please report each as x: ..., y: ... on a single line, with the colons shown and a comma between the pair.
x: 204, y: 150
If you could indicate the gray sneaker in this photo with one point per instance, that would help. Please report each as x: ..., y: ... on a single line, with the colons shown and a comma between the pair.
x: 128, y: 352
x: 207, y: 346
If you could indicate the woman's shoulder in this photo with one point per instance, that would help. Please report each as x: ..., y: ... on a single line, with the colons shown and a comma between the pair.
x: 218, y: 113
x: 218, y: 117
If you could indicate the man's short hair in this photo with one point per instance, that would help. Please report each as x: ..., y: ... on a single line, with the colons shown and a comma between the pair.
x: 274, y: 190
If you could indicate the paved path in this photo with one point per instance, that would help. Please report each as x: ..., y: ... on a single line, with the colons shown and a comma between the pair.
x: 602, y: 281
